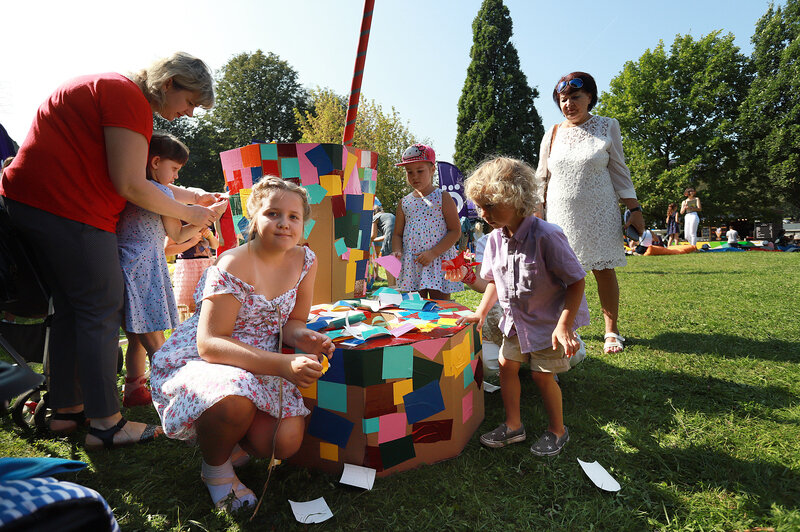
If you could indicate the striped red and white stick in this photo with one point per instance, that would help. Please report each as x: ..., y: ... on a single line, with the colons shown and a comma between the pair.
x: 358, y: 74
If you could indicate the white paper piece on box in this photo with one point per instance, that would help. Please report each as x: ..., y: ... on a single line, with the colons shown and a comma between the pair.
x: 315, y: 511
x: 360, y: 477
x: 598, y: 474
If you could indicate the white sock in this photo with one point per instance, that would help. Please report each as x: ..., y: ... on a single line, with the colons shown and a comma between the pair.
x: 222, y: 491
x: 238, y: 456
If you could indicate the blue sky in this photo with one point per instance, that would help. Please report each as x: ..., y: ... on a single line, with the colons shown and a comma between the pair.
x: 417, y: 58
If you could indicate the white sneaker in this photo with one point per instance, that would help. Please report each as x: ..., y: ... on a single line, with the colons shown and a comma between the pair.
x: 580, y: 354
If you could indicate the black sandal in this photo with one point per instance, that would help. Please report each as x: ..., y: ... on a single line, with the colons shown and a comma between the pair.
x: 107, y: 435
x: 78, y: 417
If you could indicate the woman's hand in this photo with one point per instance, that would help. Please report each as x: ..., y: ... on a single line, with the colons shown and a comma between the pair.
x: 426, y: 257
x: 562, y: 335
x: 303, y: 370
x: 636, y: 219
x: 209, y: 198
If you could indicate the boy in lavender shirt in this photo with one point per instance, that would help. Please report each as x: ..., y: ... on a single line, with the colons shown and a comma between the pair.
x: 532, y: 271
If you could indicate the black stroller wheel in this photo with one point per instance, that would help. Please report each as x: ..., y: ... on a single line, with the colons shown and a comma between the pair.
x: 21, y: 413
x: 40, y: 415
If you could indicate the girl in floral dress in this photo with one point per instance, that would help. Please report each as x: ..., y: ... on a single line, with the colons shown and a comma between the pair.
x: 426, y: 228
x: 221, y: 379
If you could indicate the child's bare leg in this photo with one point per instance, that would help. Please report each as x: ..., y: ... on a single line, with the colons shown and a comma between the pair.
x: 510, y: 389
x: 258, y: 440
x: 220, y: 427
x: 551, y: 397
x: 435, y: 294
x: 134, y: 356
x: 152, y: 342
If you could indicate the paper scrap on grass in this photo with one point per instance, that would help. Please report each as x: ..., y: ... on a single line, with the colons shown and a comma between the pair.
x: 489, y: 387
x: 391, y: 264
x: 315, y: 511
x: 598, y: 474
x: 360, y: 477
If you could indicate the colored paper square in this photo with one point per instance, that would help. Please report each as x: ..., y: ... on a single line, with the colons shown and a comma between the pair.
x: 369, y: 201
x: 328, y: 451
x: 332, y: 184
x: 329, y: 427
x: 457, y: 357
x: 424, y: 402
x: 307, y: 227
x: 315, y: 193
x: 356, y: 255
x: 251, y: 155
x: 361, y: 267
x: 398, y: 362
x: 392, y: 427
x: 355, y: 202
x: 310, y: 392
x: 366, y: 158
x: 231, y: 160
x: 363, y: 368
x: 426, y: 371
x: 379, y: 400
x: 336, y: 373
x: 287, y: 150
x: 396, y: 452
x: 432, y: 431
x: 242, y: 225
x: 352, y: 184
x: 269, y: 152
x: 339, y: 212
x: 466, y: 407
x: 370, y: 425
x: 290, y: 168
x: 244, y: 195
x: 430, y: 348
x: 401, y: 388
x: 320, y: 159
x: 334, y: 152
x: 340, y: 246
x: 256, y: 172
x: 372, y: 458
x: 332, y: 396
x: 469, y: 376
x: 270, y: 167
x: 350, y: 277
x: 247, y: 177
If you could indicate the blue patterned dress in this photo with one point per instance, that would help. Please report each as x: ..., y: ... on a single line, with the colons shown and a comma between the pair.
x: 149, y: 300
x: 425, y: 227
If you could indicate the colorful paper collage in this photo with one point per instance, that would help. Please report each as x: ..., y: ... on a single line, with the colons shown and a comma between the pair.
x: 405, y: 405
x: 341, y: 183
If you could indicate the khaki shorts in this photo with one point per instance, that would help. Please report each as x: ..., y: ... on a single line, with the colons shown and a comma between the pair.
x: 545, y: 360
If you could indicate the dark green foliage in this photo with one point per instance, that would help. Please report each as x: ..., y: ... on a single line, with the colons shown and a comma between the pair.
x: 203, y: 169
x: 496, y: 114
x: 770, y: 115
x: 677, y: 111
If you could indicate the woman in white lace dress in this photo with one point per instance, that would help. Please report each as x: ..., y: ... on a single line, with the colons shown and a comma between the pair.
x: 588, y: 179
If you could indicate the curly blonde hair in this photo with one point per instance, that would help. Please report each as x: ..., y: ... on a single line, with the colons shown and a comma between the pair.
x: 186, y: 72
x: 267, y: 186
x: 506, y: 181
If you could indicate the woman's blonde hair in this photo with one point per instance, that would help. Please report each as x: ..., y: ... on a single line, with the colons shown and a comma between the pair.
x: 267, y: 186
x: 186, y: 72
x: 506, y: 181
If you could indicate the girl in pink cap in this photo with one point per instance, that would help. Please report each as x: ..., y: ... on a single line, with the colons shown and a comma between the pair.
x: 426, y: 228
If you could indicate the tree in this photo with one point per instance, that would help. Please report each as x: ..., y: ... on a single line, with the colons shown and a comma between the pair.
x: 256, y: 96
x: 769, y: 123
x: 496, y: 114
x: 376, y: 130
x: 677, y: 112
x: 203, y: 169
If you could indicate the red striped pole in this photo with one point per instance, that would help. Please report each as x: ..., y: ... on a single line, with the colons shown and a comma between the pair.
x: 358, y: 74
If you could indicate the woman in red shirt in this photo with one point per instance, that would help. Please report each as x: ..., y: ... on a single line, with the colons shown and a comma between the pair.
x: 83, y: 159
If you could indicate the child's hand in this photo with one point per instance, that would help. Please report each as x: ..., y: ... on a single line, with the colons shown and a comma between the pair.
x: 456, y: 275
x: 314, y: 343
x: 472, y: 318
x: 562, y: 335
x: 426, y: 257
x: 398, y: 255
x: 205, y: 233
x: 303, y: 370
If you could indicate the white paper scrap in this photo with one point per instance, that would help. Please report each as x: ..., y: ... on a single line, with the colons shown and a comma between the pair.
x: 360, y: 477
x: 315, y: 511
x: 489, y: 387
x: 598, y: 474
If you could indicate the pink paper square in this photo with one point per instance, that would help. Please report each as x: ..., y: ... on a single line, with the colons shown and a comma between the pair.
x: 430, y: 348
x: 308, y: 172
x: 466, y: 407
x: 392, y: 427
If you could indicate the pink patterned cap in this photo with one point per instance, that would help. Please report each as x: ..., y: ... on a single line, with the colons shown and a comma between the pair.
x: 416, y: 153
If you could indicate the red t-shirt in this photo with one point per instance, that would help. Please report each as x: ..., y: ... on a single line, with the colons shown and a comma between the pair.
x: 61, y: 167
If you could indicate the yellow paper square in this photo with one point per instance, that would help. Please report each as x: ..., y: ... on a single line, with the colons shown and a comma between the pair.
x: 447, y: 321
x: 356, y: 254
x: 244, y: 194
x: 369, y: 201
x: 310, y: 392
x: 350, y: 278
x: 329, y: 451
x: 456, y: 358
x: 331, y: 183
x: 401, y: 388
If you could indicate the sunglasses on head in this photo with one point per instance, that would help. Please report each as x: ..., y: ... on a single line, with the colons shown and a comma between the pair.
x: 575, y: 83
x: 413, y: 151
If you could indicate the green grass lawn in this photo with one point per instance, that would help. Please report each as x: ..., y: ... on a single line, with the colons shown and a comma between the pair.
x: 698, y: 419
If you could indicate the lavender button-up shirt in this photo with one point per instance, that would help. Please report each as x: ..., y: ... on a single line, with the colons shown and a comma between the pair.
x: 531, y: 271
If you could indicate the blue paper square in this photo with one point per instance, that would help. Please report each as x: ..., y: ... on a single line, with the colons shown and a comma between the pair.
x: 256, y: 173
x: 423, y: 402
x: 398, y: 362
x: 335, y: 372
x: 329, y: 427
x: 332, y: 396
x: 370, y: 425
x: 319, y: 158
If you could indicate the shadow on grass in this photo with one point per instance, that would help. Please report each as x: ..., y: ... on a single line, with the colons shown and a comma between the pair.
x: 724, y: 345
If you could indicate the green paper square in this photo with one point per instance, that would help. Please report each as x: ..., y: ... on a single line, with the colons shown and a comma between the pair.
x: 290, y: 167
x: 347, y: 227
x: 469, y: 376
x: 316, y: 193
x: 363, y: 368
x: 398, y: 362
x: 426, y: 371
x: 332, y: 396
x: 307, y: 227
x: 370, y: 425
x: 340, y: 246
x: 397, y: 451
x: 235, y: 201
x: 269, y: 152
